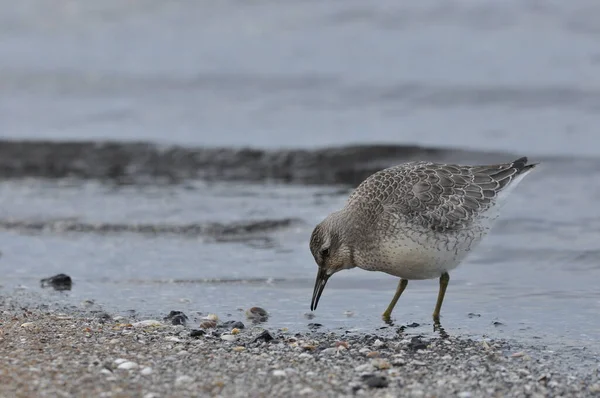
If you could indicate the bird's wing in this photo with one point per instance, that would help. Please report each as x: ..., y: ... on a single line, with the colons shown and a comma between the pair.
x: 437, y: 196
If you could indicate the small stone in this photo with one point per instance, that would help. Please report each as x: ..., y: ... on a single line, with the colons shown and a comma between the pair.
x: 174, y: 339
x: 87, y: 303
x: 29, y: 325
x: 349, y: 313
x: 176, y: 318
x: 119, y: 361
x: 381, y: 364
x: 264, y: 336
x: 147, y: 371
x: 228, y: 337
x: 473, y: 315
x: 518, y: 354
x: 127, y: 365
x: 305, y: 355
x: 197, y: 333
x: 329, y: 351
x: 233, y: 325
x: 413, y: 325
x: 378, y: 343
x: 372, y: 354
x: 278, y: 373
x: 373, y: 381
x: 306, y: 391
x: 257, y: 314
x: 208, y: 325
x: 235, y: 331
x: 417, y: 344
x: 59, y: 282
x: 314, y: 326
x: 344, y: 344
x: 464, y: 394
x: 147, y: 323
x: 183, y: 380
x: 239, y: 349
x: 419, y: 363
x: 367, y: 367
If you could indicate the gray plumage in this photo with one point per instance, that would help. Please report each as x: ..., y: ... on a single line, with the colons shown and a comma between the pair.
x: 416, y: 220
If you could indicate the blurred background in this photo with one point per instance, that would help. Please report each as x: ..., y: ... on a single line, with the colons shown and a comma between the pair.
x: 176, y: 155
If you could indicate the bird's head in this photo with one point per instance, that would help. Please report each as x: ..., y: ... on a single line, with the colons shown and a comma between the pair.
x: 331, y: 253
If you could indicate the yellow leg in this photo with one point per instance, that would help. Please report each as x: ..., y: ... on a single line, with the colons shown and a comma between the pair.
x: 401, y: 286
x: 444, y: 279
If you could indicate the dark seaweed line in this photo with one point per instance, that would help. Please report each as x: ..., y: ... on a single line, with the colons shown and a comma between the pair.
x: 132, y: 163
x: 249, y: 229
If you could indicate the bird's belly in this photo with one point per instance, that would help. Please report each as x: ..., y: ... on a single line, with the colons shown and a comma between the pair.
x: 424, y: 257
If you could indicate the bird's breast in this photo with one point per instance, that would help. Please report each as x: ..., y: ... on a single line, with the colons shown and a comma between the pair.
x: 420, y: 255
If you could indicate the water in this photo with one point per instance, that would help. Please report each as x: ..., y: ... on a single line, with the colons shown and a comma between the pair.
x: 517, y: 77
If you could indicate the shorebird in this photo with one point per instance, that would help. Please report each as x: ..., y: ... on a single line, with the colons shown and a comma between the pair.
x: 415, y: 221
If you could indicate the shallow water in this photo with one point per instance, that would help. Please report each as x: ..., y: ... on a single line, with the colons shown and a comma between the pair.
x: 137, y: 229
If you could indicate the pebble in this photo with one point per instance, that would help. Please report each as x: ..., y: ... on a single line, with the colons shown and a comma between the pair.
x: 212, y: 317
x: 364, y: 367
x: 197, y: 333
x: 279, y: 373
x: 239, y: 349
x: 147, y: 371
x: 235, y: 331
x: 208, y: 324
x: 306, y: 391
x: 127, y: 365
x: 183, y: 380
x: 233, y: 325
x: 257, y: 313
x: 176, y: 318
x: 381, y: 364
x: 147, y: 323
x: 329, y: 351
x: 373, y: 381
x: 264, y: 336
x: 378, y: 343
x: 59, y: 282
x: 228, y: 337
x: 464, y: 394
x: 28, y: 325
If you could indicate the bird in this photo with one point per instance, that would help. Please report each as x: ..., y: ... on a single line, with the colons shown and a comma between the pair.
x: 415, y: 221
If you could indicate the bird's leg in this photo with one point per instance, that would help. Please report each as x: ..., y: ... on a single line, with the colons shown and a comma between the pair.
x: 444, y: 279
x: 401, y: 286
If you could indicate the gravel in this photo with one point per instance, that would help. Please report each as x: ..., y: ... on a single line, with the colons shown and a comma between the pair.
x: 44, y: 352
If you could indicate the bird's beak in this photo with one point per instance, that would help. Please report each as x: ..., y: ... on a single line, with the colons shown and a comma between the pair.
x: 320, y: 283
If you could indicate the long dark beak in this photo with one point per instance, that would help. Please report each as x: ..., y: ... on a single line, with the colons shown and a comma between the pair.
x: 320, y: 283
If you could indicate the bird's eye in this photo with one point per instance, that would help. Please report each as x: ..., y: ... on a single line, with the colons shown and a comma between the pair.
x: 325, y: 252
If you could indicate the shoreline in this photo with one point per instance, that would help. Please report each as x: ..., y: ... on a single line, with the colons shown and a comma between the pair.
x: 45, y: 351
